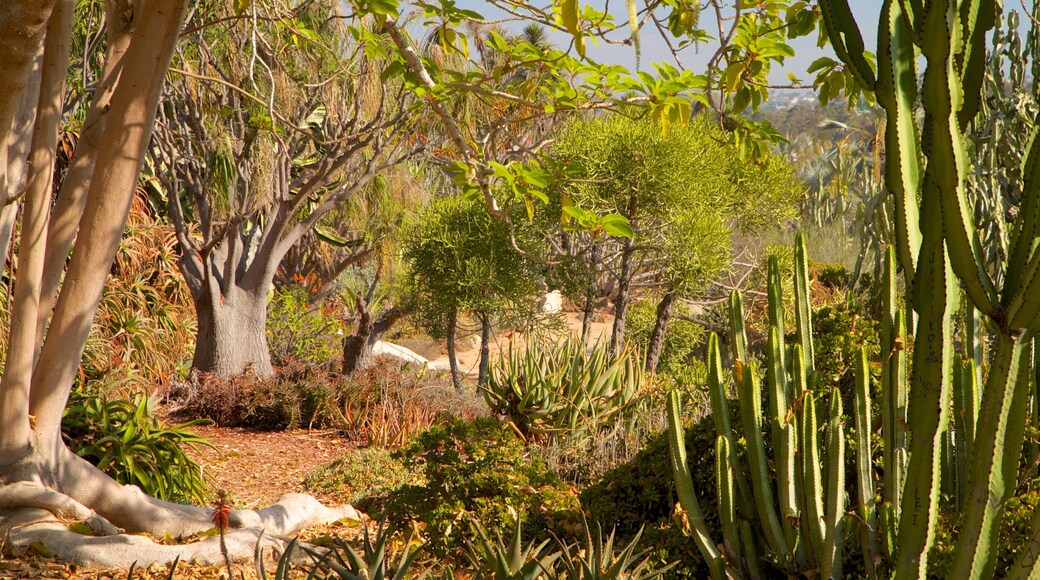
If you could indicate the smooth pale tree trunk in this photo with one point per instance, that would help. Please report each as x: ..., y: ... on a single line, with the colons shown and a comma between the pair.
x: 232, y: 336
x: 43, y: 485
x: 485, y: 348
x: 664, y: 315
x: 453, y: 361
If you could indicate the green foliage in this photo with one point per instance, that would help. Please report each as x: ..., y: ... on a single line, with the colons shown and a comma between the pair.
x: 839, y: 331
x: 296, y: 330
x: 682, y: 338
x: 598, y: 560
x: 125, y: 439
x: 562, y: 389
x: 462, y: 259
x: 362, y: 474
x: 478, y: 470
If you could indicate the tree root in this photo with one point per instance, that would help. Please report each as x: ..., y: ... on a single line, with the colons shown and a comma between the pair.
x: 34, y: 515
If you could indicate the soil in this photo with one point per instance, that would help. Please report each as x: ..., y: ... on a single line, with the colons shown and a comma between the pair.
x: 256, y: 467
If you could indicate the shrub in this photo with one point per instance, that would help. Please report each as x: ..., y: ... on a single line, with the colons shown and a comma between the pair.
x: 382, y: 405
x: 562, y: 389
x: 363, y: 474
x: 298, y: 331
x: 480, y: 470
x: 838, y: 333
x: 123, y: 438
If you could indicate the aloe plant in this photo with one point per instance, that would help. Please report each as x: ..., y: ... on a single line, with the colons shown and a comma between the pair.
x: 564, y: 388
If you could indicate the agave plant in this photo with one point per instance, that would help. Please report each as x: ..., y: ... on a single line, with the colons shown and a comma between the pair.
x: 564, y: 388
x: 344, y: 562
x: 597, y: 560
x: 495, y: 560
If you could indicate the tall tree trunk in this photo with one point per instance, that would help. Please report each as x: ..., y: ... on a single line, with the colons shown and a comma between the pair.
x: 617, y: 336
x: 664, y: 315
x: 453, y: 361
x: 232, y: 336
x: 591, y: 292
x: 357, y: 348
x: 485, y: 348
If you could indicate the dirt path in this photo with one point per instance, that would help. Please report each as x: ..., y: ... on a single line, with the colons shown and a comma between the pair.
x: 256, y: 467
x: 469, y: 357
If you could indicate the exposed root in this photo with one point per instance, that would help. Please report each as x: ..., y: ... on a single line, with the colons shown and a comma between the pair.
x: 122, y: 551
x: 25, y: 494
x: 31, y: 514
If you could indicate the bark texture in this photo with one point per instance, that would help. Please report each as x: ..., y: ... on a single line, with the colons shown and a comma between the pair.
x: 617, y: 335
x: 453, y: 361
x: 664, y: 315
x: 485, y: 348
x: 232, y: 336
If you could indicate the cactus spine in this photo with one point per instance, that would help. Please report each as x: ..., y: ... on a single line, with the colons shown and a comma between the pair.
x: 940, y: 251
x: 684, y: 488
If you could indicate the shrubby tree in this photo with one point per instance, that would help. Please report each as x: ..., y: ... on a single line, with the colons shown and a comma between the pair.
x: 683, y: 191
x: 257, y: 158
x: 461, y: 261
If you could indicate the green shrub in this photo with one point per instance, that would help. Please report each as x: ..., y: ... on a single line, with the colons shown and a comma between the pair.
x: 359, y: 475
x: 298, y: 331
x: 478, y: 470
x: 838, y: 333
x: 562, y: 389
x: 123, y: 438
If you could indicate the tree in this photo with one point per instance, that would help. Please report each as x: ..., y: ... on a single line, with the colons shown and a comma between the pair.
x: 463, y: 260
x: 680, y: 192
x: 43, y: 485
x: 256, y: 158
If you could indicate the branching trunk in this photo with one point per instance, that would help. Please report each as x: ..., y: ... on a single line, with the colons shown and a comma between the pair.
x: 45, y: 487
x: 453, y: 361
x: 357, y: 348
x: 664, y: 315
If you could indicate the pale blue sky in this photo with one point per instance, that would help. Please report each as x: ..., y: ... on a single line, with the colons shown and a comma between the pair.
x: 654, y: 49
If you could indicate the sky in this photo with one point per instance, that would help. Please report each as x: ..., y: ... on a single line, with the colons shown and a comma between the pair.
x: 654, y: 49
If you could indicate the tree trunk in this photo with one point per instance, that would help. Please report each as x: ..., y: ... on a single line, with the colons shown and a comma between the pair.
x: 591, y: 292
x: 232, y: 336
x: 485, y: 348
x: 453, y: 362
x: 664, y: 315
x: 357, y: 348
x: 617, y: 336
